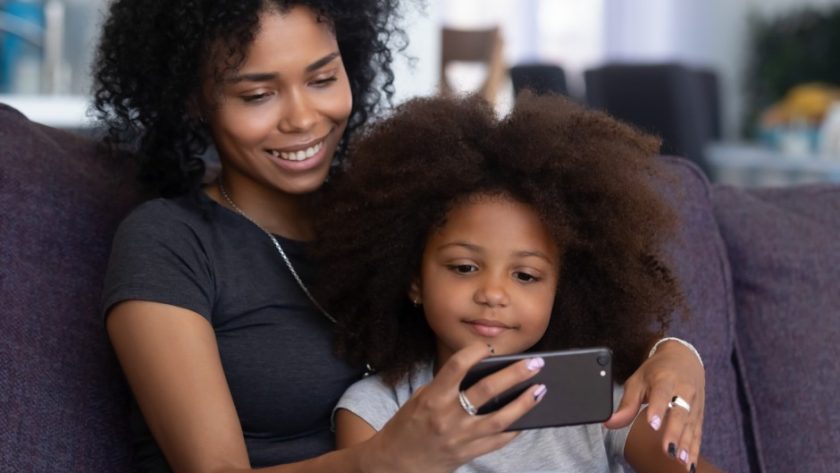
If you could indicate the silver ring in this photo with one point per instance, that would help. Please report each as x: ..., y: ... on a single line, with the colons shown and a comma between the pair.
x: 466, y: 404
x: 679, y: 402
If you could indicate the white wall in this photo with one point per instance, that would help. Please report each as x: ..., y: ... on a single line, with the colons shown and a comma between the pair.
x: 416, y: 70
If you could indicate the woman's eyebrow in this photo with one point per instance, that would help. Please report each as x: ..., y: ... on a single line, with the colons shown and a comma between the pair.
x: 323, y: 61
x: 269, y: 76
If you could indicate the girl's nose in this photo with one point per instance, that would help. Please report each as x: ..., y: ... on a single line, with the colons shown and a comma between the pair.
x: 492, y: 292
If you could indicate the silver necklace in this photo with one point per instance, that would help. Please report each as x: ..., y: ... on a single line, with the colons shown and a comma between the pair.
x: 278, y: 247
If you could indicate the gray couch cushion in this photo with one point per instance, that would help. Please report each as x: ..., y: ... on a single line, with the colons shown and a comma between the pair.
x: 701, y: 264
x: 64, y: 402
x: 784, y: 247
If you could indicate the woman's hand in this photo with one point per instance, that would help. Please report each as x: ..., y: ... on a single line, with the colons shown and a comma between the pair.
x: 432, y: 432
x: 673, y: 370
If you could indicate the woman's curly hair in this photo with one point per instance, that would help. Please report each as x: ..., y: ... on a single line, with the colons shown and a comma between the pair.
x: 588, y: 176
x: 153, y: 53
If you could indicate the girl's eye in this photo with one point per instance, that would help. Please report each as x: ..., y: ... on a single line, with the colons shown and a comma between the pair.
x: 525, y: 277
x: 463, y: 268
x: 256, y: 97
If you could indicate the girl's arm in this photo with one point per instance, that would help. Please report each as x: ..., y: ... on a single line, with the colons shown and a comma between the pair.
x: 351, y: 429
x: 642, y: 451
x: 171, y: 360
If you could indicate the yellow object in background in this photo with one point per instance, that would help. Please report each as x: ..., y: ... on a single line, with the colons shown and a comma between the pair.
x: 807, y: 102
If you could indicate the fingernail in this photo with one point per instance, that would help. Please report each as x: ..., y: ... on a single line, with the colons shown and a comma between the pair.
x: 540, y: 393
x: 693, y: 468
x: 672, y: 450
x: 656, y: 422
x: 535, y: 363
x: 683, y: 456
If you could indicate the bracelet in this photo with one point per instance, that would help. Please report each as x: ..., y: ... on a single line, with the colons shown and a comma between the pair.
x: 681, y: 342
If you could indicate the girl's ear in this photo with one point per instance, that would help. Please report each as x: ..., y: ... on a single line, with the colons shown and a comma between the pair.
x: 414, y: 292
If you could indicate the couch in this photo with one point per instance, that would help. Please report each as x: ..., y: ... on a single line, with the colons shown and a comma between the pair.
x: 760, y: 268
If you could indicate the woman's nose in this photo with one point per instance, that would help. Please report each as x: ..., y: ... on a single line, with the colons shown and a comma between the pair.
x: 299, y: 114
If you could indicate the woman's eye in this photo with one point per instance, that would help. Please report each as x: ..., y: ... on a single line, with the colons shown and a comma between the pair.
x: 324, y: 82
x: 255, y: 97
x: 525, y: 277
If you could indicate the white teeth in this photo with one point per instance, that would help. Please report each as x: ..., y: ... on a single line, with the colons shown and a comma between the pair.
x: 298, y: 155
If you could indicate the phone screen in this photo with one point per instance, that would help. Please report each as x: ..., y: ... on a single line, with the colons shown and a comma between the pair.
x: 579, y: 382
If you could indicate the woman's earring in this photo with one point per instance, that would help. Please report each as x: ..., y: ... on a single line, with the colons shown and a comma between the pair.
x: 416, y: 303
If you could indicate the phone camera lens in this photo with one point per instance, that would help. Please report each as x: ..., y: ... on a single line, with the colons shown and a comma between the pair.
x: 603, y: 360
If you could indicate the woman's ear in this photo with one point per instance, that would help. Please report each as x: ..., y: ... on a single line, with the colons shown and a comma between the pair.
x: 414, y: 292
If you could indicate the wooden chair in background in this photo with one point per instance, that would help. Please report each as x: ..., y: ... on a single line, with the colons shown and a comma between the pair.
x: 481, y: 46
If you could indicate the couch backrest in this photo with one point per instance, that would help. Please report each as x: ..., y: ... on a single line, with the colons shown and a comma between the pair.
x: 784, y: 248
x: 65, y: 404
x: 701, y: 263
x: 64, y: 401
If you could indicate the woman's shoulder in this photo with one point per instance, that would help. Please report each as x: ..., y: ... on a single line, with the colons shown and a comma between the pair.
x: 186, y: 208
x: 163, y: 251
x: 167, y: 217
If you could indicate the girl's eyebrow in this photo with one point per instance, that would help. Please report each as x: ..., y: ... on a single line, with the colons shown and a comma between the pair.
x: 463, y: 244
x: 477, y: 249
x: 269, y: 76
x: 537, y: 254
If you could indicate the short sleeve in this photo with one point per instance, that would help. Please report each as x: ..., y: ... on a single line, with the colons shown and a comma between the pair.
x: 159, y: 255
x: 370, y: 399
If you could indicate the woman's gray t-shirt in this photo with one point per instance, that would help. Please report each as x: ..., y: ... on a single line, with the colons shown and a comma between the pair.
x: 275, y: 347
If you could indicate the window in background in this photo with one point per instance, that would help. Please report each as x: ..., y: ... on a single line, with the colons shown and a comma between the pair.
x: 570, y: 33
x: 567, y: 33
x: 46, y: 50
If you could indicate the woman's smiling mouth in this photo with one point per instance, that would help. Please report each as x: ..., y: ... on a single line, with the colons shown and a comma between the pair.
x: 299, y: 155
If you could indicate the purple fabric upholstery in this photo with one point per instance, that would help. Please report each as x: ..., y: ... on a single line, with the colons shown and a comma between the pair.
x: 64, y: 401
x: 784, y: 247
x: 699, y: 256
x: 64, y: 404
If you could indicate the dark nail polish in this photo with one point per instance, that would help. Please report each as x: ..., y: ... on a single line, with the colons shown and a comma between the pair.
x: 672, y: 450
x: 693, y: 468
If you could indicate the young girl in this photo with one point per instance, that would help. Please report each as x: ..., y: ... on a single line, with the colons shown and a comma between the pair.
x: 537, y: 232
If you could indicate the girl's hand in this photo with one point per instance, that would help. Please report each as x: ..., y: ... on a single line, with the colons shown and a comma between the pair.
x: 433, y: 433
x: 673, y: 370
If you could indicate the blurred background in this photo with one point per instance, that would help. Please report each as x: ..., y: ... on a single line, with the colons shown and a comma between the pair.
x: 747, y: 89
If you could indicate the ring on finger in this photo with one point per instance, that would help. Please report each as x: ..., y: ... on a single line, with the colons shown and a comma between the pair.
x: 679, y: 402
x: 469, y: 408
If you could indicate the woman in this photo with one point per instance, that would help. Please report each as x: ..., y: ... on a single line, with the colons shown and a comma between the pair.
x: 229, y: 359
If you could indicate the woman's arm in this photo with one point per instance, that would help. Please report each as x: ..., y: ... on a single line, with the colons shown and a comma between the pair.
x: 674, y: 370
x: 642, y: 452
x: 170, y: 358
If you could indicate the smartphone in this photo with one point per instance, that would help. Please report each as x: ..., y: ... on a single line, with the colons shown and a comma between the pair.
x: 579, y: 383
